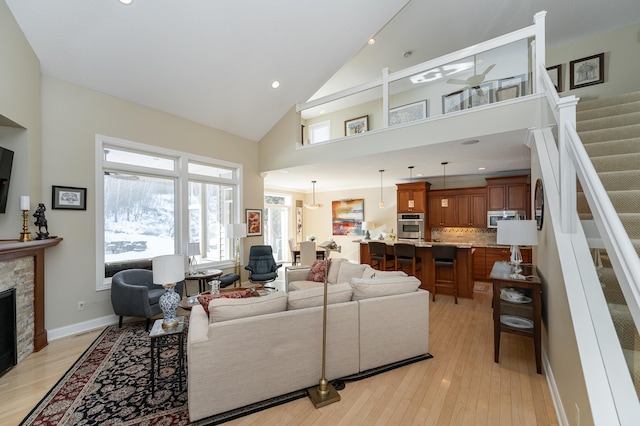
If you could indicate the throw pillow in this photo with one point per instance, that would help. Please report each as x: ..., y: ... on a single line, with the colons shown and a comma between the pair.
x: 204, y: 299
x: 350, y: 270
x: 311, y: 297
x: 224, y: 309
x: 334, y: 269
x: 366, y: 288
x: 317, y: 271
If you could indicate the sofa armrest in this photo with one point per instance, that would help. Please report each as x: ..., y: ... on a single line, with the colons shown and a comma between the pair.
x: 296, y: 273
x: 198, y: 325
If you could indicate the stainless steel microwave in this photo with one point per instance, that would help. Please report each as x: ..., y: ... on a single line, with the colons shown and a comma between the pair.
x: 494, y: 216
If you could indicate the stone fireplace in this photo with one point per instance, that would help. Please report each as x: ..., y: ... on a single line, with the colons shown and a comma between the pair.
x: 22, y: 269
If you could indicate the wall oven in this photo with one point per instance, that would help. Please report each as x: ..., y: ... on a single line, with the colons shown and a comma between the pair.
x: 494, y: 216
x: 411, y: 226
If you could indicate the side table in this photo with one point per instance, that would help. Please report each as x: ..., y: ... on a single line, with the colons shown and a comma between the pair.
x: 524, y: 316
x: 203, y: 277
x: 162, y: 338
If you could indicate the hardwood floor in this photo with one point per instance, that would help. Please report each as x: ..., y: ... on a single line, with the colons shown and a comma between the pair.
x: 461, y: 385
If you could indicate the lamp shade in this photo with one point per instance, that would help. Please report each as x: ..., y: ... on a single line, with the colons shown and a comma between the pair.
x: 236, y: 230
x: 517, y: 232
x: 368, y: 226
x: 193, y: 249
x: 168, y: 269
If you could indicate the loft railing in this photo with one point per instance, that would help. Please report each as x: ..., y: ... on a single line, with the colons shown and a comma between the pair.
x: 427, y: 83
x: 608, y: 377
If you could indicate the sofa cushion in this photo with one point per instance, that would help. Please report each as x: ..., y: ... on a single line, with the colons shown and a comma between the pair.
x: 334, y: 269
x: 303, y: 285
x: 350, y: 270
x: 225, y: 309
x: 366, y: 288
x: 314, y: 296
x: 317, y: 271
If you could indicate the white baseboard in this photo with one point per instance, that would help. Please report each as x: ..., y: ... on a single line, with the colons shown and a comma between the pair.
x: 82, y: 327
x: 553, y: 389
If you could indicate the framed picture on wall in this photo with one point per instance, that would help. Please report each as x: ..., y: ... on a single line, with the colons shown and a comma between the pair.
x: 453, y: 102
x: 408, y: 113
x: 586, y: 71
x: 68, y: 198
x: 254, y: 222
x: 555, y: 73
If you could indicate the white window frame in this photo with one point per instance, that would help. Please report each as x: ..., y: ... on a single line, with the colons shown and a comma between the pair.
x: 181, y: 176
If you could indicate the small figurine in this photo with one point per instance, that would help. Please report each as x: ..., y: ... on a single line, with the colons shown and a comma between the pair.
x: 41, y: 222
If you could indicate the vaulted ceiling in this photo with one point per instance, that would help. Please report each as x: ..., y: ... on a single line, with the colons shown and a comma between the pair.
x: 213, y: 62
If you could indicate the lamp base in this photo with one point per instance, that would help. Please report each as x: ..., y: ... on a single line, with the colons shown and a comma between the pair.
x: 321, y: 398
x: 169, y: 302
x: 25, y: 236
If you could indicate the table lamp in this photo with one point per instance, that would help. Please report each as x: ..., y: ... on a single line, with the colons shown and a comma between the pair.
x: 167, y: 271
x: 237, y: 231
x: 517, y: 233
x: 367, y: 226
x: 193, y: 250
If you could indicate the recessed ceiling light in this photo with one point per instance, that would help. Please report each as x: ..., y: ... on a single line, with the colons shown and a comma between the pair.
x: 275, y: 84
x: 372, y: 41
x: 126, y: 2
x: 470, y: 142
x: 407, y: 53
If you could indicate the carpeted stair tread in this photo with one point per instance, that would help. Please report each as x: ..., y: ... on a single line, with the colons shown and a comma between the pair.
x: 608, y: 111
x: 609, y: 122
x: 618, y: 162
x: 584, y: 105
x: 601, y: 135
x: 613, y: 147
x: 623, y: 201
x: 620, y: 180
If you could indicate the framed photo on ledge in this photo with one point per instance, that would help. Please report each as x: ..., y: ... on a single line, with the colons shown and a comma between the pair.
x: 453, y: 102
x: 254, y: 222
x: 356, y: 125
x: 408, y: 113
x: 586, y: 71
x: 68, y: 198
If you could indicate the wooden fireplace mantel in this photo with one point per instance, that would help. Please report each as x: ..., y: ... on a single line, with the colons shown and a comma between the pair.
x: 12, y: 249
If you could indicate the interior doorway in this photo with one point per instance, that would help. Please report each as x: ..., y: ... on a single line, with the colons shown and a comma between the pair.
x: 277, y: 215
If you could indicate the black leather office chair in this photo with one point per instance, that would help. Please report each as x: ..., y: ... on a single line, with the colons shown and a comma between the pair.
x: 134, y: 294
x: 262, y: 266
x: 444, y: 256
x: 378, y: 257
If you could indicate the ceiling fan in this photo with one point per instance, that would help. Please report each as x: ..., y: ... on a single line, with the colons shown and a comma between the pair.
x: 475, y: 80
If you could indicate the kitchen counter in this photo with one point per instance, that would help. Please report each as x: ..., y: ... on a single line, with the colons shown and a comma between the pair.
x: 464, y: 264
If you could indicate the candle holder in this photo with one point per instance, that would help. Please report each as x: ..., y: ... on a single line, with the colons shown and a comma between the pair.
x: 25, y: 235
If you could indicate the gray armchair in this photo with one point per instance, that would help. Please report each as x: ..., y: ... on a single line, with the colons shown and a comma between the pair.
x: 134, y: 294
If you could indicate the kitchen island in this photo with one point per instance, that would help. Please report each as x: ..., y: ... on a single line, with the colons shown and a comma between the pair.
x: 464, y: 267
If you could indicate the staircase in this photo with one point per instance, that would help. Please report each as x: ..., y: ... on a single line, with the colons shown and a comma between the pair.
x: 610, y: 131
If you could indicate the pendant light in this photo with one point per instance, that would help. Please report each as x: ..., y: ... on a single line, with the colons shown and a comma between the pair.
x: 411, y: 204
x: 314, y: 205
x: 444, y: 202
x: 381, y: 204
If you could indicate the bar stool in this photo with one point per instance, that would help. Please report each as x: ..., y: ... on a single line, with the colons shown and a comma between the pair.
x: 378, y: 254
x: 406, y: 255
x: 444, y: 256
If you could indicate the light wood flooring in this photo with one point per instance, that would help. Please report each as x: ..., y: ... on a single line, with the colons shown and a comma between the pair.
x: 461, y: 385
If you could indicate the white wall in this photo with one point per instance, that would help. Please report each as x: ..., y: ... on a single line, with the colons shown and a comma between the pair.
x: 71, y: 118
x: 622, y: 61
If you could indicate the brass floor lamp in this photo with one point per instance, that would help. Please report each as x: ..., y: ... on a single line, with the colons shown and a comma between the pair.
x: 325, y: 393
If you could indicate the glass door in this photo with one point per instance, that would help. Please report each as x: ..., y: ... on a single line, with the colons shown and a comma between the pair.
x: 277, y: 213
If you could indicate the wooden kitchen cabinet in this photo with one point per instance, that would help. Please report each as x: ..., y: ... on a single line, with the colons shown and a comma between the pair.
x: 439, y: 215
x: 479, y: 263
x: 471, y: 210
x: 508, y: 193
x: 412, y: 197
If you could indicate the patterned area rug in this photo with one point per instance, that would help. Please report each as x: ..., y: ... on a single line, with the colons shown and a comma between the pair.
x: 110, y: 384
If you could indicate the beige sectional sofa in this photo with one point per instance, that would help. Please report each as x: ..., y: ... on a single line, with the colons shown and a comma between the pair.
x: 249, y: 350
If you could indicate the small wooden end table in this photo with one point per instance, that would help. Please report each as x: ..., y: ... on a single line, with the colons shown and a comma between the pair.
x: 203, y: 277
x: 517, y: 314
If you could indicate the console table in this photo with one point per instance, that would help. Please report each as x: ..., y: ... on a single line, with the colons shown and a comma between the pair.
x: 516, y: 315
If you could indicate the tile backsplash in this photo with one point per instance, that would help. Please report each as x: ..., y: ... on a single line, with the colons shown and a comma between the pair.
x: 479, y: 236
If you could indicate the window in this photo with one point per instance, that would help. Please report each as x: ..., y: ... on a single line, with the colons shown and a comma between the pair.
x: 153, y: 201
x: 320, y: 132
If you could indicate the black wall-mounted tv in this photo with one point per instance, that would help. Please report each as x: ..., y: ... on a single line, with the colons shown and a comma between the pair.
x: 6, y: 162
